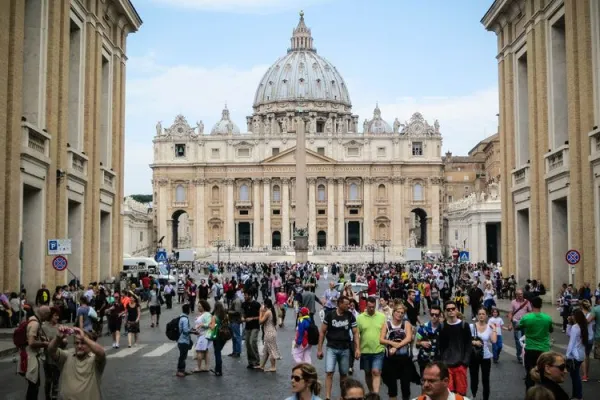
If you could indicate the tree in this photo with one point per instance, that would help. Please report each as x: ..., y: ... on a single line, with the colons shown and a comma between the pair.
x: 142, y: 198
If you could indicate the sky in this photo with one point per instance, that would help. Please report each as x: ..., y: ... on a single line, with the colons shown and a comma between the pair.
x: 192, y: 57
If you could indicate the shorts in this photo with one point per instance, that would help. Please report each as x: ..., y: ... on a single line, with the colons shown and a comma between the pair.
x: 114, y: 325
x: 597, y: 349
x: 369, y: 362
x: 341, y: 357
x: 458, y: 379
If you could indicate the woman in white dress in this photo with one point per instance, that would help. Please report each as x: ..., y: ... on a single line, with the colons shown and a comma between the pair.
x: 202, y: 344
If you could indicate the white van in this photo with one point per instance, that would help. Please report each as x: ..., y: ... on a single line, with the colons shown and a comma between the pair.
x: 131, y: 264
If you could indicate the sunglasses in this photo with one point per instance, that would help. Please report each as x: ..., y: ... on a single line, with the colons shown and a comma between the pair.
x: 450, y: 308
x: 561, y: 367
x: 296, y: 378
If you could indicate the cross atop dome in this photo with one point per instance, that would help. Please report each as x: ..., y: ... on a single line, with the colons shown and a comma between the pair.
x: 302, y: 38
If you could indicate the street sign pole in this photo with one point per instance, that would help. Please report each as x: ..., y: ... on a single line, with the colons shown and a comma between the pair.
x: 572, y: 257
x: 21, y: 278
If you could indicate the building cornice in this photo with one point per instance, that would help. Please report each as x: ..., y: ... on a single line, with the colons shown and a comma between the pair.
x: 127, y: 8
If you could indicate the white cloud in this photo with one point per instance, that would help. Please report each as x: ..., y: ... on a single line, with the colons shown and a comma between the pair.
x: 160, y: 92
x: 239, y: 6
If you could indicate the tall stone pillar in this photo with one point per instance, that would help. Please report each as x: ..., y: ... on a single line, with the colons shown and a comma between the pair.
x: 435, y: 244
x: 312, y: 212
x: 367, y: 212
x: 341, y: 231
x: 229, y: 219
x: 267, y: 212
x: 397, y: 217
x: 200, y: 219
x: 163, y: 206
x: 330, y: 212
x: 285, y: 212
x: 300, y: 236
x: 256, y: 208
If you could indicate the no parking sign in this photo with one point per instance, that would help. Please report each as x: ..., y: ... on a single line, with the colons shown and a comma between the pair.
x: 59, y: 263
x: 572, y: 257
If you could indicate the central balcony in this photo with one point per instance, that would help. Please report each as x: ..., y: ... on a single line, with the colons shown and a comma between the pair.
x: 353, y: 203
x: 243, y: 204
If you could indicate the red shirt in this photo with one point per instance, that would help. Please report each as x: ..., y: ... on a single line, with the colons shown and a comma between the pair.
x: 372, y: 288
x: 146, y: 282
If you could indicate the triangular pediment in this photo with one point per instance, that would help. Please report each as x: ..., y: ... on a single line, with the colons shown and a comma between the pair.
x: 289, y: 157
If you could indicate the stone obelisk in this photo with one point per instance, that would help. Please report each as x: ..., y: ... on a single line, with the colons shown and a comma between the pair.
x: 301, y: 230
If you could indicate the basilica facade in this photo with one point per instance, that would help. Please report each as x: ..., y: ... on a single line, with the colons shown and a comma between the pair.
x: 369, y: 183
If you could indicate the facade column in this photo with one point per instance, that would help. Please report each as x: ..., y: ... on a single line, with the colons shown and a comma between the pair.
x: 229, y: 219
x: 162, y: 218
x: 267, y: 212
x: 312, y: 212
x: 330, y: 212
x: 256, y: 207
x: 435, y: 214
x: 397, y: 217
x: 341, y: 231
x: 285, y: 212
x: 367, y: 210
x: 200, y: 222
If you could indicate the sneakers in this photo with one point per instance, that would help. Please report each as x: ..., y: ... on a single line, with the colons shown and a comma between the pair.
x: 584, y: 378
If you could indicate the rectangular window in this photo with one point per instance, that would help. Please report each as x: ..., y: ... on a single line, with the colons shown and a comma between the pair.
x: 417, y: 148
x: 214, y: 153
x: 558, y: 84
x: 75, y: 95
x: 244, y: 152
x: 276, y: 212
x: 381, y: 152
x: 34, y: 61
x: 522, y: 110
x: 180, y: 150
x: 449, y: 199
x: 274, y: 151
x: 321, y: 212
x: 141, y: 236
x: 353, y: 211
x: 320, y: 126
x: 321, y: 150
x: 353, y: 151
x: 243, y: 212
x: 106, y: 111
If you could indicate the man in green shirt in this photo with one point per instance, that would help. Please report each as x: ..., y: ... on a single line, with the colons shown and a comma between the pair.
x: 536, y: 327
x: 372, y: 352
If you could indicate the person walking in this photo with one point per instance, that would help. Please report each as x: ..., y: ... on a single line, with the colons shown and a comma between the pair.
x: 428, y: 337
x: 184, y: 341
x: 483, y: 335
x: 218, y: 319
x: 133, y: 320
x: 578, y: 333
x: 372, y: 351
x: 455, y: 348
x: 301, y: 348
x: 201, y: 325
x: 251, y: 314
x: 550, y: 371
x: 536, y: 327
x: 234, y: 312
x: 518, y: 308
x: 268, y: 319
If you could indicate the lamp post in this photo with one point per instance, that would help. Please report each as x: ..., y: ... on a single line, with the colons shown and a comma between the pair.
x: 228, y: 248
x: 218, y: 244
x: 371, y: 248
x: 384, y: 243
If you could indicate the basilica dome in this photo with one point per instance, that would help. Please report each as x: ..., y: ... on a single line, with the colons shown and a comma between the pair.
x: 377, y: 125
x: 302, y: 75
x: 225, y: 126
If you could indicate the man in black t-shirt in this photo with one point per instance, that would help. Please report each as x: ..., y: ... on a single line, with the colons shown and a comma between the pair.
x: 336, y: 328
x: 250, y: 313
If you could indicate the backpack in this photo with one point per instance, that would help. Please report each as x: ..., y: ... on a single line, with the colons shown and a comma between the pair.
x: 313, y: 333
x: 172, y: 330
x: 224, y: 332
x: 20, y: 334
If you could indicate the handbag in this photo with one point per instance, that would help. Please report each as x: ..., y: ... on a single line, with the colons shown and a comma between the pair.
x: 391, y: 351
x: 476, y: 351
x: 224, y: 331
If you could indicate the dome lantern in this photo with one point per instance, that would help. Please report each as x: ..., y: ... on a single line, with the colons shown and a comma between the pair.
x: 302, y: 38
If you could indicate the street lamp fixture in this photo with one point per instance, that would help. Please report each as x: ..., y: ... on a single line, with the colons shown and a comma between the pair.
x: 384, y: 243
x: 372, y: 248
x: 218, y: 244
x: 229, y: 248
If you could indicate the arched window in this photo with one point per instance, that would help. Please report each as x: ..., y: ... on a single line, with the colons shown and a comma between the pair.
x: 215, y: 194
x: 244, y: 195
x: 382, y: 231
x: 381, y: 192
x: 179, y: 194
x: 321, y: 193
x: 353, y: 192
x: 418, y: 192
x: 276, y: 193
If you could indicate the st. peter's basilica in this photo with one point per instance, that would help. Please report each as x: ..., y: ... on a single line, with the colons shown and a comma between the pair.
x: 369, y: 182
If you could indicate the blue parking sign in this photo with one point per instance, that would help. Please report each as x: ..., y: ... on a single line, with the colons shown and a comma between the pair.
x: 161, y: 256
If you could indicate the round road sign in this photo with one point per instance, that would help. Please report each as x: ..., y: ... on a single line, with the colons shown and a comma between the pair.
x: 59, y: 263
x: 572, y: 257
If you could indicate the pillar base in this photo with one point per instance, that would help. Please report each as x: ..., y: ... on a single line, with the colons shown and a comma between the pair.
x: 301, y: 247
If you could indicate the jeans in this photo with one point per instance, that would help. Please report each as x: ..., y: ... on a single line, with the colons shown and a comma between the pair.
x: 33, y: 390
x: 575, y: 374
x: 497, y: 348
x: 169, y: 300
x: 236, y: 337
x: 531, y: 357
x: 486, y: 366
x: 251, y: 337
x: 183, y: 352
x: 517, y: 335
x: 217, y: 347
x: 52, y: 373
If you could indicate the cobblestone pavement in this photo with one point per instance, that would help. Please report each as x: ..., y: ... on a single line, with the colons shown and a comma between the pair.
x: 147, y: 371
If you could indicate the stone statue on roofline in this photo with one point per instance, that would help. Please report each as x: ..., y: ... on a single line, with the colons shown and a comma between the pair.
x: 159, y: 128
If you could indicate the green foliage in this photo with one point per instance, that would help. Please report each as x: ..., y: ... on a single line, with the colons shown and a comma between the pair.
x: 142, y: 198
